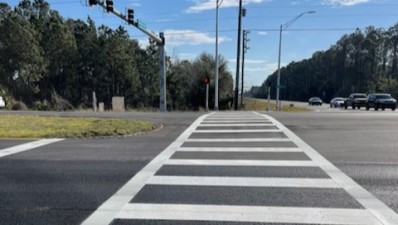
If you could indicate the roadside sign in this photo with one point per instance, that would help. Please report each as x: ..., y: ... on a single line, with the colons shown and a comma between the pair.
x: 141, y: 25
x: 281, y: 86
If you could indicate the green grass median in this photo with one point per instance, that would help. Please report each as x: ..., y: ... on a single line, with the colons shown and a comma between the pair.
x: 18, y: 126
x: 252, y: 104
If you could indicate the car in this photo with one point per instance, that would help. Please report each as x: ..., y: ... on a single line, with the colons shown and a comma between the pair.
x: 315, y: 101
x: 337, y: 102
x: 381, y: 100
x: 355, y: 100
x: 2, y: 102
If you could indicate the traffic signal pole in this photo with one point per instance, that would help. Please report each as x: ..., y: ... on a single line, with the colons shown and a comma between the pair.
x: 162, y: 74
x: 238, y: 57
x: 160, y: 41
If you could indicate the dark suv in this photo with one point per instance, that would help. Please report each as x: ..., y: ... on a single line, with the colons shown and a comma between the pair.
x: 381, y: 100
x: 355, y: 100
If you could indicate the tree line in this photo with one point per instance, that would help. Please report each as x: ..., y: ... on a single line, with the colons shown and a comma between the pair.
x: 51, y: 63
x: 363, y: 61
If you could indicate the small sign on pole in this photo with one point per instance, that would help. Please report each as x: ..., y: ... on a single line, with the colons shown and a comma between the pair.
x: 141, y: 24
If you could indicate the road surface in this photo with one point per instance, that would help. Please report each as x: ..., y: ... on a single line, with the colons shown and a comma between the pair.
x: 321, y: 167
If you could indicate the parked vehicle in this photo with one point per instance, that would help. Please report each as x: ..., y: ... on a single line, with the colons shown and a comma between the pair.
x: 381, y: 100
x: 315, y: 101
x: 355, y: 100
x: 2, y: 102
x: 337, y: 102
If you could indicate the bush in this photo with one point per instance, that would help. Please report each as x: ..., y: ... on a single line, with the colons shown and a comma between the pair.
x: 17, y: 105
x: 42, y: 105
x: 59, y: 103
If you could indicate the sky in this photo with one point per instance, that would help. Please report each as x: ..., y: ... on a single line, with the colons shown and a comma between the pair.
x: 190, y: 26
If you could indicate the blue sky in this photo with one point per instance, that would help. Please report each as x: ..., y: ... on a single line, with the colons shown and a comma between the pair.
x: 189, y: 26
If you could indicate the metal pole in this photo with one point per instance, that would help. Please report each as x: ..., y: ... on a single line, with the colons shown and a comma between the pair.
x: 243, y: 67
x: 278, y: 81
x: 238, y: 56
x: 162, y: 74
x: 94, y: 102
x: 160, y: 40
x: 269, y: 98
x: 284, y: 27
x: 216, y: 69
x: 207, y: 97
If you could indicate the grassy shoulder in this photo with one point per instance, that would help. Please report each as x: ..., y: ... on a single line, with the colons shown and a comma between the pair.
x: 252, y: 104
x: 18, y: 126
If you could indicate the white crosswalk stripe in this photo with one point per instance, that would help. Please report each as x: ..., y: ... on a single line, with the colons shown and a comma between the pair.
x: 215, y: 162
x: 238, y: 125
x: 248, y: 214
x: 238, y: 140
x: 122, y: 206
x: 238, y: 131
x: 227, y: 149
x: 243, y: 181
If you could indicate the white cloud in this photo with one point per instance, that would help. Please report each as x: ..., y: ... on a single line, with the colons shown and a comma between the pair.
x: 267, y: 69
x: 143, y: 43
x: 263, y: 67
x: 344, y: 2
x: 255, y: 61
x: 186, y: 56
x: 203, y: 5
x: 189, y: 37
x: 162, y: 20
x: 262, y: 33
x: 135, y: 3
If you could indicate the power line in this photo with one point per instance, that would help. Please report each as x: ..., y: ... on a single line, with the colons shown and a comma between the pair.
x: 210, y: 20
x: 253, y: 29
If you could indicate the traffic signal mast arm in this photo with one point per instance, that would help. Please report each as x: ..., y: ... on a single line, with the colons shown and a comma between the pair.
x: 159, y: 40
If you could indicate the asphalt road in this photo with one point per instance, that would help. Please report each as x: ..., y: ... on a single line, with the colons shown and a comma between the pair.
x: 363, y: 144
x: 65, y: 182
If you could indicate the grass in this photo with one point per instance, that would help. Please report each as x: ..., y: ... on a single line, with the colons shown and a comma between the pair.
x: 252, y: 104
x: 18, y: 126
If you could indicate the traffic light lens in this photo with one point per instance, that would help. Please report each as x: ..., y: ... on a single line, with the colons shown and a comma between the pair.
x: 92, y: 2
x: 109, y: 5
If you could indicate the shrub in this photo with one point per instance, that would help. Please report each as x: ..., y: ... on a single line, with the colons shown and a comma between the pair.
x: 17, y: 105
x: 42, y: 105
x: 59, y: 103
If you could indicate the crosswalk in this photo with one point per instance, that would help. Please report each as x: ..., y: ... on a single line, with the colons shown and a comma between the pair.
x: 241, y: 168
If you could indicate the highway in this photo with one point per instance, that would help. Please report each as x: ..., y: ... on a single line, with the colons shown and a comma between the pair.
x: 329, y: 166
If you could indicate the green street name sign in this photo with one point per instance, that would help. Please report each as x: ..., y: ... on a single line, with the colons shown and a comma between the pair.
x: 141, y: 25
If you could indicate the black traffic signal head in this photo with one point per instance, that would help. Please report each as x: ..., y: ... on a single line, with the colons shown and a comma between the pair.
x: 130, y: 16
x: 109, y: 5
x: 92, y: 2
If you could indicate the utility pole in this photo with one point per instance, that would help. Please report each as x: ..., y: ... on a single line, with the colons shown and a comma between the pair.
x: 238, y: 57
x: 160, y: 41
x: 245, y: 48
x: 216, y: 77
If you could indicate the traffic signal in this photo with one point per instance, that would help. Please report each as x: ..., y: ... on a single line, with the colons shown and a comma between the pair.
x: 109, y: 5
x: 244, y: 12
x: 92, y: 2
x: 130, y: 16
x: 206, y: 80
